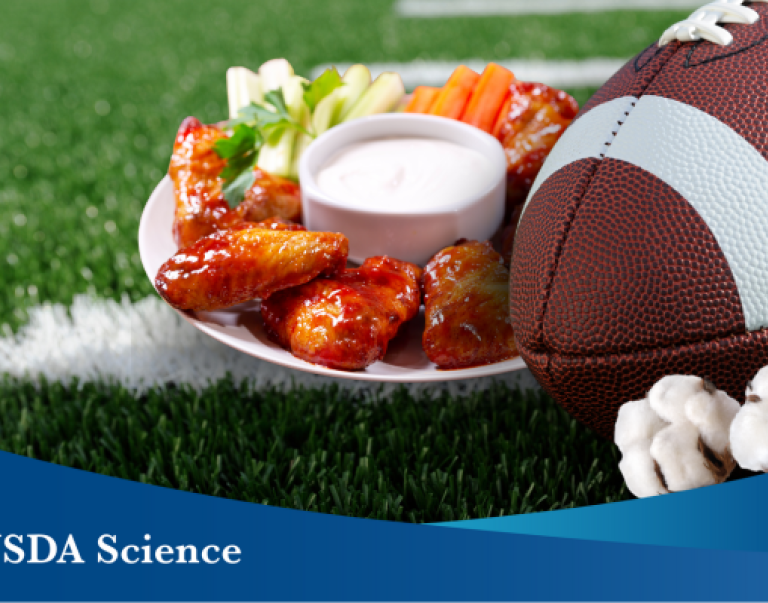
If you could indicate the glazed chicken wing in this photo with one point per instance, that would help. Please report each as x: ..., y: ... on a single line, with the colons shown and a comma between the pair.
x: 245, y: 263
x: 536, y: 117
x: 269, y: 196
x: 466, y: 297
x: 200, y: 205
x: 195, y: 167
x: 347, y: 321
x: 270, y: 224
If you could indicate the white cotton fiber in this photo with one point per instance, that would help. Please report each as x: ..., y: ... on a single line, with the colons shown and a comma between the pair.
x: 637, y: 422
x: 682, y: 428
x: 669, y: 394
x: 676, y: 450
x: 638, y: 470
x: 749, y: 436
x: 749, y: 430
x: 759, y: 385
x: 712, y: 415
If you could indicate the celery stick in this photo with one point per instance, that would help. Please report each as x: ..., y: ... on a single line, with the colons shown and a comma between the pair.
x: 322, y: 118
x: 316, y: 123
x: 380, y: 97
x: 356, y: 80
x: 293, y: 92
x: 243, y: 88
x: 302, y: 142
x: 278, y: 158
x: 274, y: 74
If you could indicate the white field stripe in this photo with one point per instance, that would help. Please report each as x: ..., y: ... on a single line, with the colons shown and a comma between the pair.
x: 479, y: 8
x: 560, y: 74
x: 147, y: 344
x: 719, y: 173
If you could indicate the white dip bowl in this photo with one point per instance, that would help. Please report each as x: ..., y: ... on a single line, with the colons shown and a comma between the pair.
x: 416, y: 234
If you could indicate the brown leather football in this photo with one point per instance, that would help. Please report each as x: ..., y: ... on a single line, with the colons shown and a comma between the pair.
x: 643, y: 247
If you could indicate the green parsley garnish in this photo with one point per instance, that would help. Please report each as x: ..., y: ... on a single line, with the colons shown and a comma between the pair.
x: 241, y: 152
x: 257, y: 124
x: 316, y: 91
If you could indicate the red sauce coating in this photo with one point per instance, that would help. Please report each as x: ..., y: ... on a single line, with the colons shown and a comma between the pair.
x: 466, y: 298
x: 538, y: 115
x: 201, y: 208
x: 346, y: 321
x: 238, y: 265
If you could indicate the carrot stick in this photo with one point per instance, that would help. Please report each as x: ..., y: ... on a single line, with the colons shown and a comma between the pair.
x: 503, y: 114
x: 422, y: 99
x: 489, y: 95
x: 454, y: 95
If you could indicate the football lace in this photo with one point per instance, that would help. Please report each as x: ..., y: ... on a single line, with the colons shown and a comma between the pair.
x: 703, y: 24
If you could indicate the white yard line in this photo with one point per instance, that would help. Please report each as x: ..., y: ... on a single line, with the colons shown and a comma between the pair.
x: 146, y: 344
x: 560, y: 74
x: 480, y: 8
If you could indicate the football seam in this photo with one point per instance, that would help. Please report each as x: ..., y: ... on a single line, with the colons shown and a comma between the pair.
x: 561, y: 246
x: 610, y: 141
x: 619, y: 356
x: 638, y: 66
x: 567, y: 230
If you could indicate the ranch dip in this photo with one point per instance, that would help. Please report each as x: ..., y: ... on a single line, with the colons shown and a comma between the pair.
x: 405, y: 173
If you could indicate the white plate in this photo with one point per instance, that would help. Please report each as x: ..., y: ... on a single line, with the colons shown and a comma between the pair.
x: 241, y: 327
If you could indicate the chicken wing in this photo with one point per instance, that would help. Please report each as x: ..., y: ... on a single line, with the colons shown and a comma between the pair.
x: 466, y: 296
x: 537, y: 116
x: 273, y: 223
x: 200, y: 205
x: 195, y: 167
x: 347, y: 321
x: 271, y: 195
x: 245, y: 263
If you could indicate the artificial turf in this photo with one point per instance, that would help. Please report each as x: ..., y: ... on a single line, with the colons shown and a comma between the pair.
x: 496, y: 453
x: 91, y: 93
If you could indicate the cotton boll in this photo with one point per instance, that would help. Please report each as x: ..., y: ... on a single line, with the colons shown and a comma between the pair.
x: 749, y: 430
x: 759, y: 385
x: 636, y: 425
x: 712, y: 414
x: 669, y: 395
x: 749, y: 436
x: 639, y: 472
x: 677, y: 438
x: 637, y: 422
x: 676, y: 449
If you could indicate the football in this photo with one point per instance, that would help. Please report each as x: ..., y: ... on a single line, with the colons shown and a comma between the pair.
x: 642, y: 250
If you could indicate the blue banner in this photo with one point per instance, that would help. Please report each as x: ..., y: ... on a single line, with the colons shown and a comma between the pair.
x: 728, y: 516
x: 67, y: 534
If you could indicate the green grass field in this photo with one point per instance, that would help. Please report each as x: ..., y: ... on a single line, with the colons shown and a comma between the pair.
x: 91, y: 94
x: 399, y: 459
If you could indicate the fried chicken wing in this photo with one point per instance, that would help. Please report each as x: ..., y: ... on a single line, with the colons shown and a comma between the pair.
x: 269, y: 196
x: 200, y: 205
x: 537, y: 116
x: 274, y: 223
x: 245, y: 263
x: 195, y: 167
x: 346, y: 321
x: 466, y: 297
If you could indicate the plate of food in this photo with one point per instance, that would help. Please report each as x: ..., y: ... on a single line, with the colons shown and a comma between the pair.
x: 321, y: 231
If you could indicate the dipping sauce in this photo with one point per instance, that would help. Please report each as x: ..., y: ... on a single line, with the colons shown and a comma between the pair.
x: 399, y: 173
